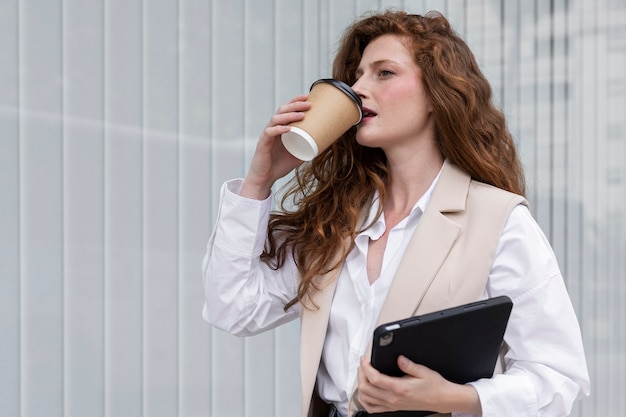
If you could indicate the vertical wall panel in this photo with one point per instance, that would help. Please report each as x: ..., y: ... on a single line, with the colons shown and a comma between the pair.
x: 474, y: 33
x: 559, y: 133
x: 295, y: 25
x: 588, y: 167
x: 287, y: 358
x: 392, y: 4
x: 574, y: 211
x: 527, y: 101
x: 289, y: 53
x: 364, y: 6
x: 227, y: 90
x: 311, y: 42
x: 457, y: 15
x: 123, y: 155
x: 543, y: 115
x: 262, y: 68
x: 615, y: 85
x: 426, y: 6
x: 83, y: 221
x: 419, y: 7
x: 605, y: 320
x: 9, y: 212
x: 227, y: 64
x: 41, y: 209
x: 194, y: 204
x: 264, y: 72
x: 324, y: 34
x: 340, y: 14
x: 493, y: 48
x: 573, y: 263
x: 511, y: 66
x: 160, y: 210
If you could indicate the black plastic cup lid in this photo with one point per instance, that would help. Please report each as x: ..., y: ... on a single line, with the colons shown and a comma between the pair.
x: 343, y: 87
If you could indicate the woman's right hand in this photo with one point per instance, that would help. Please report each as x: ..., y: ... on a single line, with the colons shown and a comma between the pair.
x: 271, y: 159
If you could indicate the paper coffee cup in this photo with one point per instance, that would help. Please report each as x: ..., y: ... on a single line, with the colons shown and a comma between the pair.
x: 335, y: 107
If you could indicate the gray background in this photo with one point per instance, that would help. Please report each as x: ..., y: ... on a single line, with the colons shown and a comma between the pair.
x: 119, y: 120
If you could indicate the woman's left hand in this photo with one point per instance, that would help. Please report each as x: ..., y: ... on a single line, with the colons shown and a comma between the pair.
x: 420, y: 389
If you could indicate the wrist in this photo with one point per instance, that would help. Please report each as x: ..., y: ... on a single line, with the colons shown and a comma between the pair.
x: 250, y: 189
x: 461, y: 398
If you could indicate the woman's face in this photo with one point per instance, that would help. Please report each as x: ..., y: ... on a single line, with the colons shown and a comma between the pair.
x: 396, y: 110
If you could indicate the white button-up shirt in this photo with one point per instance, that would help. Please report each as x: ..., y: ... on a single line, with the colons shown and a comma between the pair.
x: 352, y: 320
x: 545, y: 366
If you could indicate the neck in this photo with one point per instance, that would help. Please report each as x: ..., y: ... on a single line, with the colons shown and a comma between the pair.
x: 410, y: 179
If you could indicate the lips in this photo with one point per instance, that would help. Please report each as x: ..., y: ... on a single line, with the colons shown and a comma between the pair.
x: 368, y: 113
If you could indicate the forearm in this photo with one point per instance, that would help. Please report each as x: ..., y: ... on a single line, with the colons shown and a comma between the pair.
x: 255, y: 190
x: 243, y: 295
x: 459, y: 398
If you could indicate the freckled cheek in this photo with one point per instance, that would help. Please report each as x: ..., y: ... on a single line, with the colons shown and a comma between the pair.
x: 403, y: 109
x: 406, y: 98
x: 399, y: 93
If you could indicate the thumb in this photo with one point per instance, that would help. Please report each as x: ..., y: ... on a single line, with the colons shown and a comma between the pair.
x: 411, y: 368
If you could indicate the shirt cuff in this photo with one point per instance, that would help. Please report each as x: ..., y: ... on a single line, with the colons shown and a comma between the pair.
x: 242, y: 222
x: 506, y: 395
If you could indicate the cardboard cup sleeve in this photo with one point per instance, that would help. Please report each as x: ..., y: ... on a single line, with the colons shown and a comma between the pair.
x: 335, y: 107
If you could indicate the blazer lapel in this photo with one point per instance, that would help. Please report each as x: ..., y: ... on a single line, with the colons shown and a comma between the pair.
x: 314, y: 324
x: 429, y: 246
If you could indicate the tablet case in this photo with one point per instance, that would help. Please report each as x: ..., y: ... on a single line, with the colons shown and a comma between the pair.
x: 461, y: 343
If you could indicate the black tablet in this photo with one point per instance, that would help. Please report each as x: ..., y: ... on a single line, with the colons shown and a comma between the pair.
x: 461, y: 343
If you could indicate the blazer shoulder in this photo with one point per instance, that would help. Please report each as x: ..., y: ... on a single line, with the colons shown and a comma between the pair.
x: 493, y: 195
x: 457, y: 191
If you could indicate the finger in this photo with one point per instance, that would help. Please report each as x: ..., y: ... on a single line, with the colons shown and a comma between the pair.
x: 374, y: 382
x: 371, y: 373
x: 411, y: 368
x: 276, y: 130
x: 282, y: 119
x: 367, y: 369
x: 301, y: 97
x: 294, y: 106
x: 370, y: 397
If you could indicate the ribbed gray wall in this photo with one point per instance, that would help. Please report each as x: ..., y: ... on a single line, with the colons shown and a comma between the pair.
x: 119, y: 120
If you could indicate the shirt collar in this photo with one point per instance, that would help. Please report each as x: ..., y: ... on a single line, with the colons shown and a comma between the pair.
x: 378, y: 228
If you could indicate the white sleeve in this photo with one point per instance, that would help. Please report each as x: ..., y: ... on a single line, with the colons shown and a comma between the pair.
x: 545, y: 367
x: 244, y: 296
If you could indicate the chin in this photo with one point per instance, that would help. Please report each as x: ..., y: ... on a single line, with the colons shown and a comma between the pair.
x: 366, y: 140
x: 368, y: 143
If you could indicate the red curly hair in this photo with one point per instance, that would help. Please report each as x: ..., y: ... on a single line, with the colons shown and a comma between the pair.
x: 324, y: 204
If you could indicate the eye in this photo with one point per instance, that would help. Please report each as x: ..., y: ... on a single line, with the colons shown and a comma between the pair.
x: 385, y: 73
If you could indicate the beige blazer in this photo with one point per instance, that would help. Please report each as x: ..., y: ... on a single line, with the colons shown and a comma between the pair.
x: 446, y: 264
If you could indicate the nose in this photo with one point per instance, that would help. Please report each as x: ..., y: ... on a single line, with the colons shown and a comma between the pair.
x: 359, y: 88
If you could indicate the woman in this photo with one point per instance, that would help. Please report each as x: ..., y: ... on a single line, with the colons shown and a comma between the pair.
x: 418, y: 208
